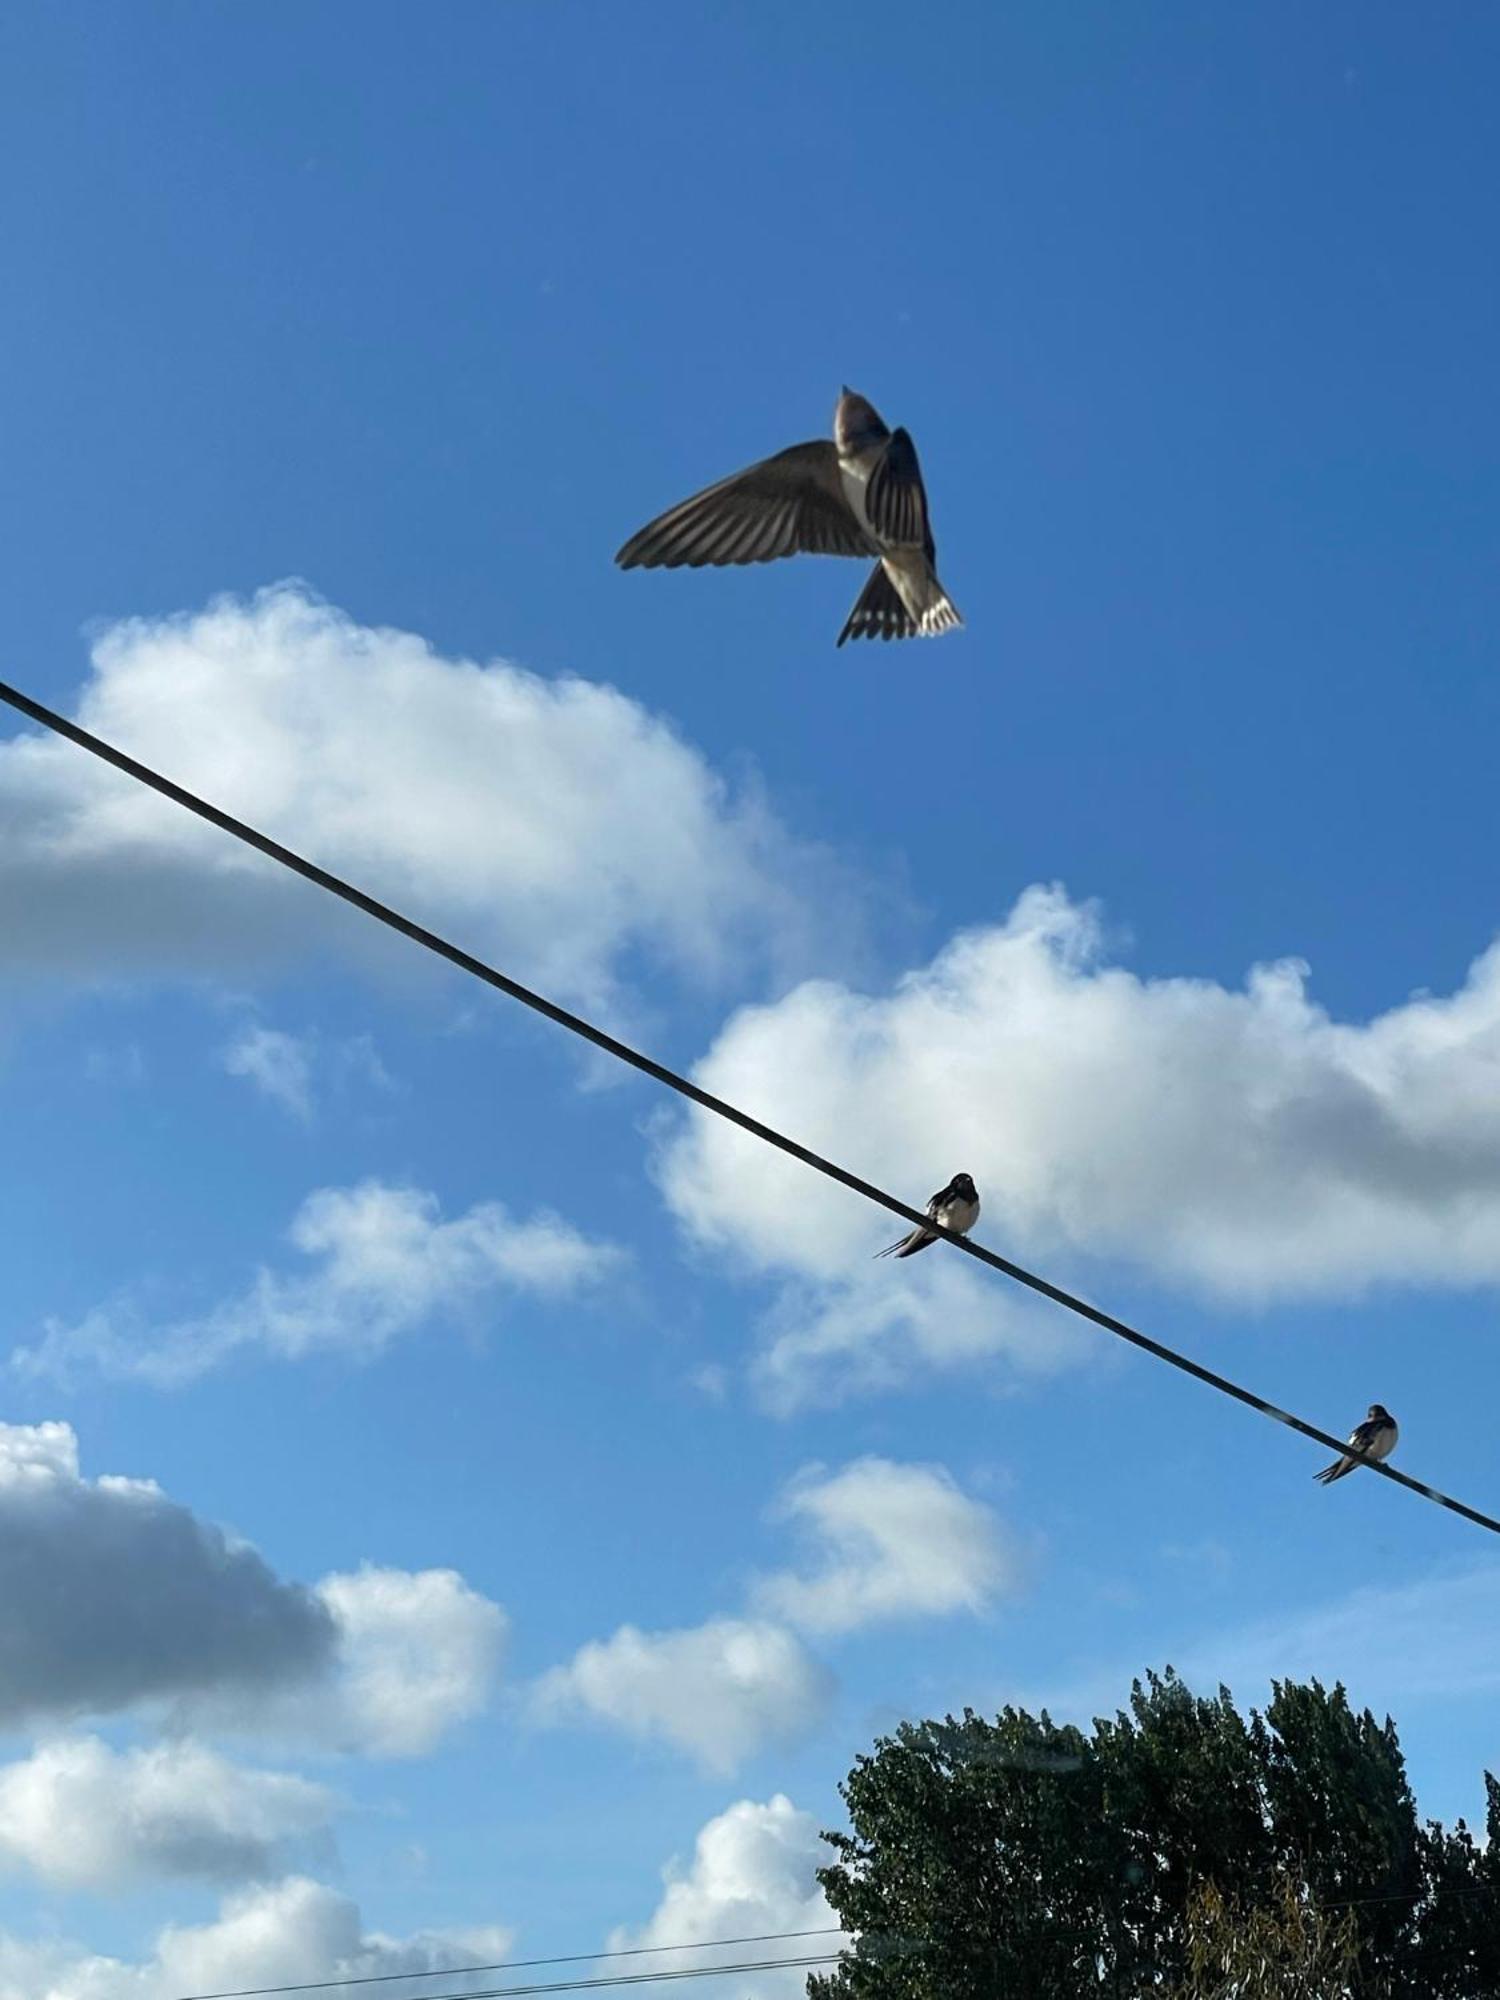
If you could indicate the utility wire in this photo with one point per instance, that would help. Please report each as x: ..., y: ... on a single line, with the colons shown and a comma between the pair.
x: 638, y: 1978
x: 685, y: 1087
x: 897, y: 1947
x: 521, y: 1964
x: 572, y: 1985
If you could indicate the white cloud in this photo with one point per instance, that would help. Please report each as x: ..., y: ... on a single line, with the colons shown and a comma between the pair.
x: 753, y: 1873
x: 84, y: 1816
x: 384, y: 1263
x: 278, y: 1064
x: 888, y: 1541
x: 718, y: 1691
x: 418, y: 1653
x: 283, y: 1066
x: 555, y: 824
x: 114, y: 1595
x: 825, y: 1341
x: 1241, y: 1143
x: 294, y: 1930
x: 885, y: 1541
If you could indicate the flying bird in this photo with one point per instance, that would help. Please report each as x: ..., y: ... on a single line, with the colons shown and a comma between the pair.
x: 956, y: 1207
x: 857, y: 494
x: 1375, y: 1437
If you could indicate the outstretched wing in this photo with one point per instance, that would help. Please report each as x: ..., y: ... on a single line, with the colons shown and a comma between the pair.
x: 895, y: 498
x: 792, y: 504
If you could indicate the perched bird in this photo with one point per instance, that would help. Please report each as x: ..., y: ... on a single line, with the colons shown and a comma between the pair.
x: 956, y: 1207
x: 1375, y: 1437
x: 860, y: 494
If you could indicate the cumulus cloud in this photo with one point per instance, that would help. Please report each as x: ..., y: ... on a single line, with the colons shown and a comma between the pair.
x: 116, y: 1598
x: 554, y: 823
x: 886, y: 1542
x: 84, y: 1816
x: 115, y: 1595
x: 418, y: 1653
x: 753, y: 1873
x: 1238, y: 1142
x: 278, y: 1064
x: 384, y: 1263
x: 294, y: 1930
x: 822, y: 1342
x: 718, y: 1691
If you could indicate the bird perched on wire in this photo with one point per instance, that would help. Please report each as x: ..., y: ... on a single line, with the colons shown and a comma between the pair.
x: 956, y: 1207
x: 859, y: 493
x: 1375, y: 1438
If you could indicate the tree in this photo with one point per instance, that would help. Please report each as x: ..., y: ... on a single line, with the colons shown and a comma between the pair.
x: 1018, y: 1857
x: 1285, y: 1949
x: 1457, y: 1943
x: 1343, y: 1814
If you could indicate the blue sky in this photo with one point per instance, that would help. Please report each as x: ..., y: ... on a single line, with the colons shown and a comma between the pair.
x: 341, y: 353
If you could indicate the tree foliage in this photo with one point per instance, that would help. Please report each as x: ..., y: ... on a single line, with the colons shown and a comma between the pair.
x: 1287, y: 1949
x: 1016, y: 1856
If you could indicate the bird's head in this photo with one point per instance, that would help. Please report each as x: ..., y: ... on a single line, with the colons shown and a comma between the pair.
x: 963, y: 1186
x: 1379, y: 1414
x: 856, y: 424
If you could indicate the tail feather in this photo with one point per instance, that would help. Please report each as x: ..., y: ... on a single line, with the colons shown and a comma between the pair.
x: 879, y: 612
x: 940, y: 615
x: 1335, y: 1471
x: 882, y: 611
x: 907, y: 1246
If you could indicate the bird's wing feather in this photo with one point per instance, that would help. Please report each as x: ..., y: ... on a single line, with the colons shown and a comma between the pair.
x: 895, y: 498
x: 792, y: 504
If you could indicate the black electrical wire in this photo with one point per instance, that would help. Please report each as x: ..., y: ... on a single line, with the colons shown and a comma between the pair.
x: 517, y: 1964
x: 685, y: 1087
x: 568, y: 1985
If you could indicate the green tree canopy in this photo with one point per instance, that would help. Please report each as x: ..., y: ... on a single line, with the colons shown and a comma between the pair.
x: 1018, y: 1857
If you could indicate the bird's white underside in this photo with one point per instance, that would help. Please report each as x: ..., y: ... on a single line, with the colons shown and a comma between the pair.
x: 959, y: 1215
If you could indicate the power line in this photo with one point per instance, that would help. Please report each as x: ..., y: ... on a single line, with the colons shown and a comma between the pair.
x: 521, y: 1964
x: 685, y: 1087
x: 640, y: 1978
x: 895, y: 1947
x: 566, y: 1985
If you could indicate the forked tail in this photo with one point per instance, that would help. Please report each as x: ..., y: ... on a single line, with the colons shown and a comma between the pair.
x: 881, y: 612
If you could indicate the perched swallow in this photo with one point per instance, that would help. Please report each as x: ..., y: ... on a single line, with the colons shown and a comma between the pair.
x: 956, y: 1207
x: 1375, y: 1437
x: 860, y: 494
